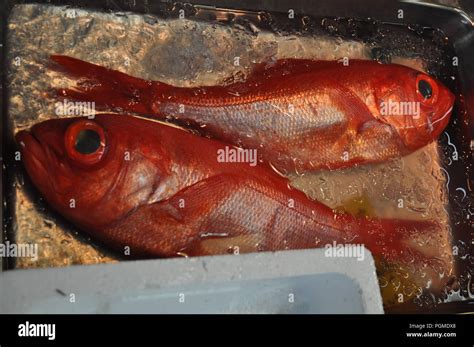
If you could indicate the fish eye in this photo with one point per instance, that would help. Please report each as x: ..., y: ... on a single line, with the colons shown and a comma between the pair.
x: 426, y: 89
x: 85, y: 142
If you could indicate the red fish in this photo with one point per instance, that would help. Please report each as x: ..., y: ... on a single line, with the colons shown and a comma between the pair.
x: 300, y: 114
x: 163, y: 191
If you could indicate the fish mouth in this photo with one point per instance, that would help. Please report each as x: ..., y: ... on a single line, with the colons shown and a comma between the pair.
x: 444, y: 119
x: 441, y: 121
x: 438, y: 124
x: 34, y: 157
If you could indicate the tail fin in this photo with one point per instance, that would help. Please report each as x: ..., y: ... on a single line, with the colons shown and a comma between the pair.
x: 109, y: 89
x: 394, y: 239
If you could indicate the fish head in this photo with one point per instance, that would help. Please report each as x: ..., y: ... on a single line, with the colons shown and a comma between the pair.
x: 414, y: 104
x: 91, y: 171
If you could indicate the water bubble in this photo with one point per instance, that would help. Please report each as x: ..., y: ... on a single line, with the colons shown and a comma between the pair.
x: 305, y: 21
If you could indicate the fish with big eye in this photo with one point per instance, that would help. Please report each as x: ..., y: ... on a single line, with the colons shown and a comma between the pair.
x: 318, y: 114
x: 161, y: 191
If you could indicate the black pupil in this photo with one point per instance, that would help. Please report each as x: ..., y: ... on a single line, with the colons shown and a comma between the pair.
x: 87, y: 141
x: 425, y: 89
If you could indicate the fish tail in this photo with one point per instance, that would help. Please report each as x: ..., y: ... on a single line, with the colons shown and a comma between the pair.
x: 107, y: 88
x: 395, y: 239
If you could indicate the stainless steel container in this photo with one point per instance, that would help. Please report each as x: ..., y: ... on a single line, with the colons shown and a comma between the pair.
x: 452, y: 27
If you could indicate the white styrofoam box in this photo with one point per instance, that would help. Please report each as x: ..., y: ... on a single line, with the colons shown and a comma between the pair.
x: 303, y: 281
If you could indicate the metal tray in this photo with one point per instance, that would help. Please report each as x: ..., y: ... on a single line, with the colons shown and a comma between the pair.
x: 454, y: 23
